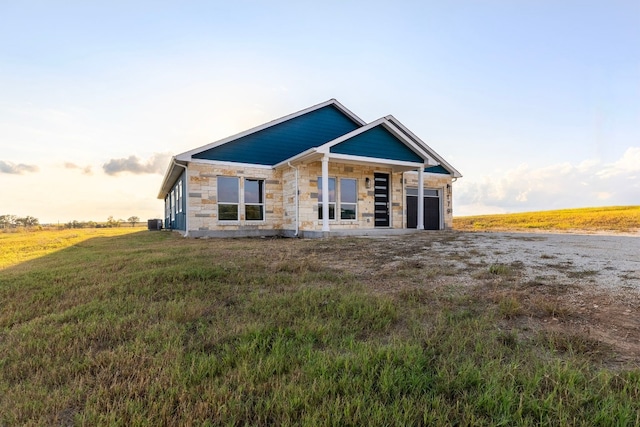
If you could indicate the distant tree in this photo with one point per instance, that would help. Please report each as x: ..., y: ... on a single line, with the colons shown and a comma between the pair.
x: 133, y: 220
x: 111, y: 222
x: 7, y: 221
x: 27, y: 221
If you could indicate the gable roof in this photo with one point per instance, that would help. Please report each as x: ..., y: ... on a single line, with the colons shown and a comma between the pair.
x: 283, y: 138
x: 378, y: 142
x: 442, y: 162
x: 328, y: 128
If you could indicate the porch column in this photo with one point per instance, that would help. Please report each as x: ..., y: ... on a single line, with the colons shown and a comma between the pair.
x: 420, y: 198
x: 325, y: 193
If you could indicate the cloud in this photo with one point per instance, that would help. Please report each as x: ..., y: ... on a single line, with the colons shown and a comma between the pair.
x: 156, y: 164
x: 563, y: 185
x: 86, y: 170
x: 16, y: 169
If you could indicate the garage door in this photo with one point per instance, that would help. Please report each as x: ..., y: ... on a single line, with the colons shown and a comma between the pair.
x: 431, y: 201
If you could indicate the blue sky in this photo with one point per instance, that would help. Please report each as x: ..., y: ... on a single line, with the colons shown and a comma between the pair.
x: 537, y: 103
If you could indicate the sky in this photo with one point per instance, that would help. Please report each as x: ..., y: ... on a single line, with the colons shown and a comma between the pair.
x: 535, y: 102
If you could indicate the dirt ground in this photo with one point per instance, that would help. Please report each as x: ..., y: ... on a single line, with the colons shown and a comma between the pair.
x: 583, y: 285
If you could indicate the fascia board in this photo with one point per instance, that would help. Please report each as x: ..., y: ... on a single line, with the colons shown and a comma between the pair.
x: 364, y: 159
x: 346, y: 111
x: 431, y: 151
x: 397, y: 132
x: 232, y: 164
x: 169, y: 178
x: 297, y: 157
x: 187, y: 155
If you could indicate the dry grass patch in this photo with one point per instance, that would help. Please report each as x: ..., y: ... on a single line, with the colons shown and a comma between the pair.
x: 613, y: 218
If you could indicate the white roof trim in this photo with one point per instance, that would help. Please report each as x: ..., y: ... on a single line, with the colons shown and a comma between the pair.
x: 309, y: 152
x: 170, y: 176
x: 364, y: 159
x: 188, y: 154
x: 414, y: 137
x: 231, y: 164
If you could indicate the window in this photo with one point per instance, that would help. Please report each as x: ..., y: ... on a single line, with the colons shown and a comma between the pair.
x: 332, y: 198
x: 172, y: 201
x: 179, y: 197
x: 427, y: 192
x: 348, y: 198
x: 254, y: 199
x: 228, y: 198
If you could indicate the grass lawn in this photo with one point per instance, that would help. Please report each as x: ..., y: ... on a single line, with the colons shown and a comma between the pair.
x: 148, y: 328
x: 611, y: 218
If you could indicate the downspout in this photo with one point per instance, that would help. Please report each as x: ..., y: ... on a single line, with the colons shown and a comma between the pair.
x: 185, y: 198
x: 296, y: 199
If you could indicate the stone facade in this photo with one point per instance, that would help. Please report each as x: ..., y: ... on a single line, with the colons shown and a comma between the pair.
x: 202, y: 201
x: 280, y: 198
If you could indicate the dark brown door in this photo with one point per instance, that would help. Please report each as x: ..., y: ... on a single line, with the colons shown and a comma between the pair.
x: 412, y: 211
x: 431, y: 212
x: 382, y: 204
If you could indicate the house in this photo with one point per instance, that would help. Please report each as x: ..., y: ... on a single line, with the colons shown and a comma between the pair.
x: 318, y: 172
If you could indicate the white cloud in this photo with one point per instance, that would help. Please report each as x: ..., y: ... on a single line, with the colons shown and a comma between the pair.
x: 86, y: 170
x: 16, y: 169
x: 629, y: 163
x: 562, y: 185
x: 156, y: 164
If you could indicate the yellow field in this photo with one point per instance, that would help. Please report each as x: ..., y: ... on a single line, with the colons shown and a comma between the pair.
x: 19, y: 246
x: 611, y: 218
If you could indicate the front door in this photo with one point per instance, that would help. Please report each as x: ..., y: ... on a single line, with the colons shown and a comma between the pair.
x: 382, y: 203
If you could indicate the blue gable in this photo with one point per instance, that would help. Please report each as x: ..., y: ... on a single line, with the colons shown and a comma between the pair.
x: 437, y: 169
x: 284, y: 140
x: 377, y: 142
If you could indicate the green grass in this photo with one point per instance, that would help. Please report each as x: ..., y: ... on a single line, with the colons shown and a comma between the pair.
x: 613, y: 218
x: 19, y: 245
x: 151, y: 329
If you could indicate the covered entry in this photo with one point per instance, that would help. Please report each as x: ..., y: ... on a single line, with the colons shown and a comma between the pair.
x: 431, y: 201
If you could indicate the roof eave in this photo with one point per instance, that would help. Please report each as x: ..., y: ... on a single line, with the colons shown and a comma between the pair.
x: 299, y: 158
x: 454, y: 172
x: 171, y: 175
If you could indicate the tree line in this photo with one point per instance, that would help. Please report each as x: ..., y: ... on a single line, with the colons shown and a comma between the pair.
x: 13, y: 221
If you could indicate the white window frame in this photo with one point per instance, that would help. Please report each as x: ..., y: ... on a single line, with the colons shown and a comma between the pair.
x: 172, y: 202
x: 354, y: 203
x: 335, y: 206
x: 227, y: 203
x: 179, y: 196
x: 262, y: 189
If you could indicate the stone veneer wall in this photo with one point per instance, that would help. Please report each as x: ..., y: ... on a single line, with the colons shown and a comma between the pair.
x: 280, y: 186
x: 437, y: 182
x: 202, y: 200
x: 308, y: 185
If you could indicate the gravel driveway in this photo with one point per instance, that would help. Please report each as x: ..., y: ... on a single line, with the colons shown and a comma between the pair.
x: 608, y: 262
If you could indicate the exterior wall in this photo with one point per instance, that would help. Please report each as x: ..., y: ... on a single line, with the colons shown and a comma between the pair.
x: 203, y: 203
x: 308, y: 184
x: 435, y: 181
x: 280, y: 199
x: 175, y: 205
